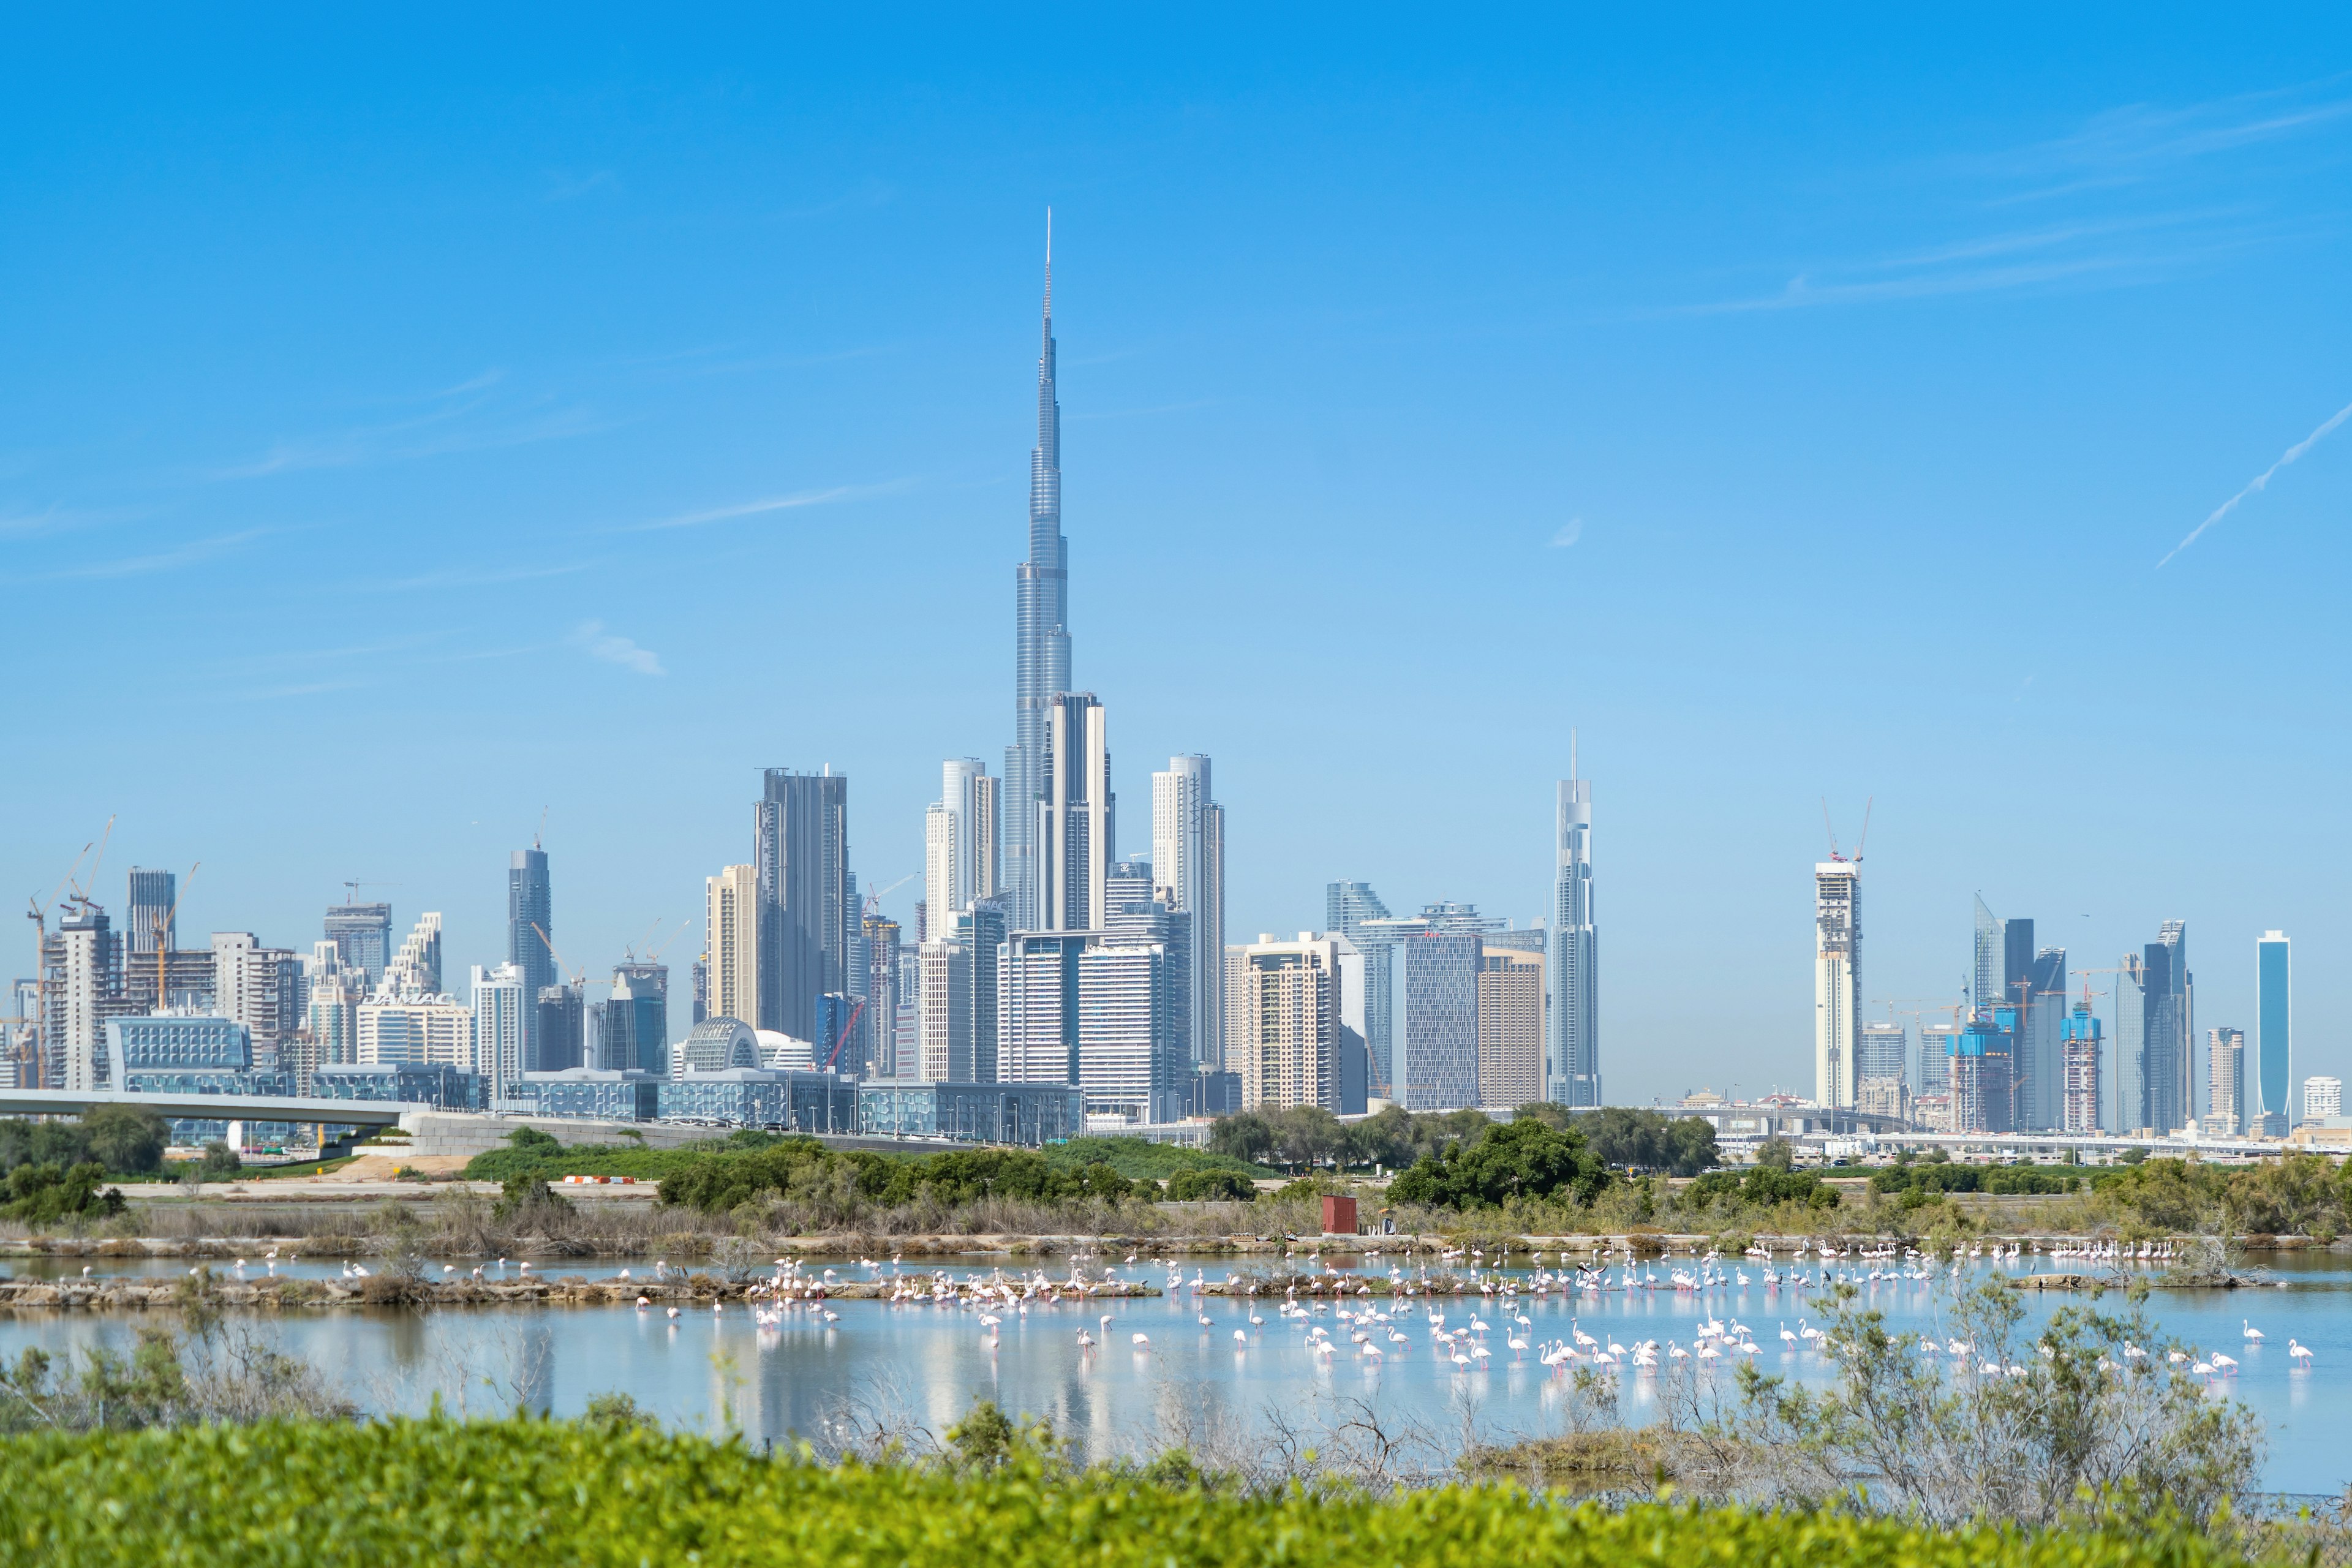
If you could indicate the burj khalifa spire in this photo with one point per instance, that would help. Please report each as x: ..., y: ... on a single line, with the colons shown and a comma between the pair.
x: 1040, y: 659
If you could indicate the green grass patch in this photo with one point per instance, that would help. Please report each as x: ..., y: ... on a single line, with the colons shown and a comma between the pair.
x: 615, y: 1492
x: 583, y: 1160
x: 305, y: 1168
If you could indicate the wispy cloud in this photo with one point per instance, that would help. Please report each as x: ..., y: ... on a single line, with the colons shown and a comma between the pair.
x: 468, y: 416
x: 601, y: 643
x: 462, y: 577
x: 567, y: 187
x: 2260, y: 482
x: 2123, y: 180
x: 304, y: 689
x: 2066, y: 253
x: 192, y: 553
x: 792, y: 502
x: 1569, y: 532
x: 432, y: 437
x: 2139, y: 141
x: 52, y: 519
x: 1146, y: 413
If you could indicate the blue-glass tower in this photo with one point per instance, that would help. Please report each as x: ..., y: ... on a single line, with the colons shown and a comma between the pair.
x: 2273, y: 1061
x: 1041, y: 655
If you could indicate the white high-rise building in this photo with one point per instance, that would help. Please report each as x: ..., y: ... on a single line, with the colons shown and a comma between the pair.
x: 1076, y: 822
x: 731, y: 916
x: 260, y: 987
x: 415, y: 969
x: 1575, y: 1069
x: 1188, y: 868
x: 960, y: 841
x: 1837, y: 980
x: 2225, y: 1081
x: 1096, y: 1009
x: 1287, y: 1007
x: 331, y: 996
x: 499, y: 1007
x: 2323, y: 1096
x: 947, y: 1021
x: 417, y: 1030
x: 82, y: 968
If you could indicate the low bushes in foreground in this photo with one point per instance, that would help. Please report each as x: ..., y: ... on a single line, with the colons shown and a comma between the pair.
x: 611, y: 1490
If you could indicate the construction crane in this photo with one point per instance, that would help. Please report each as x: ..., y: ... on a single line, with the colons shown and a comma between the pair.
x: 37, y: 911
x: 654, y: 956
x: 848, y: 1028
x: 355, y: 886
x: 162, y: 931
x: 80, y: 895
x: 1856, y: 857
x: 579, y: 977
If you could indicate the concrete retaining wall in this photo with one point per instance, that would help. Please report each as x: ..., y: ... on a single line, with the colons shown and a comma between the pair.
x: 465, y: 1135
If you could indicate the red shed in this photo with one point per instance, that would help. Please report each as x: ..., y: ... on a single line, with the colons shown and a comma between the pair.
x: 1338, y: 1216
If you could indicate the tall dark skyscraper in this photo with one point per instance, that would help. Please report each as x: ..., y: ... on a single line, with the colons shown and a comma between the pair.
x: 1040, y: 659
x: 148, y: 922
x: 362, y: 937
x: 801, y: 853
x: 530, y: 904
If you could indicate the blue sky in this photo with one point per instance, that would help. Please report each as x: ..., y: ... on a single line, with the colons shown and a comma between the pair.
x: 408, y: 428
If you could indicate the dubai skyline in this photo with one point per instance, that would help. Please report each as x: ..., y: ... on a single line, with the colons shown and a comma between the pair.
x: 338, y: 554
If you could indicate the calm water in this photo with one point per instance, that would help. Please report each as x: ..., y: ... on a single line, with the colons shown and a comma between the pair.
x: 710, y: 1370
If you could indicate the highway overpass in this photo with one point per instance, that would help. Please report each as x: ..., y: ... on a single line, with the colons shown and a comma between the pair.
x: 365, y: 1114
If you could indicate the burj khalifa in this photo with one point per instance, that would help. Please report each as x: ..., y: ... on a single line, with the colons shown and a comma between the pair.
x: 1041, y: 659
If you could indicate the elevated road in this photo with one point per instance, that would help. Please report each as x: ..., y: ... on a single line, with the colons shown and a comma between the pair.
x: 370, y: 1114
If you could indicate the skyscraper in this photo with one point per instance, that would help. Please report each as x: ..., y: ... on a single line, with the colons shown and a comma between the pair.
x: 415, y: 969
x: 802, y: 851
x: 501, y: 1011
x: 1936, y: 1052
x: 2155, y: 1091
x: 1837, y: 978
x: 81, y: 983
x: 149, y: 918
x: 1288, y: 1009
x: 362, y: 937
x: 1076, y: 814
x: 2080, y: 1048
x: 982, y: 929
x: 1096, y: 1009
x: 1189, y: 866
x: 881, y: 988
x: 961, y: 843
x: 331, y: 1001
x: 1510, y: 1026
x: 1041, y: 658
x: 2131, y: 1047
x: 731, y: 917
x: 2323, y: 1096
x: 1346, y: 907
x: 1438, y: 1069
x: 260, y: 987
x: 2225, y: 1091
x: 561, y: 1040
x: 1880, y: 1069
x: 2274, y: 1073
x: 633, y: 1023
x: 1575, y: 1071
x: 2170, y: 1053
x: 530, y: 935
x: 1985, y: 990
x: 1880, y: 1053
x: 949, y: 1034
